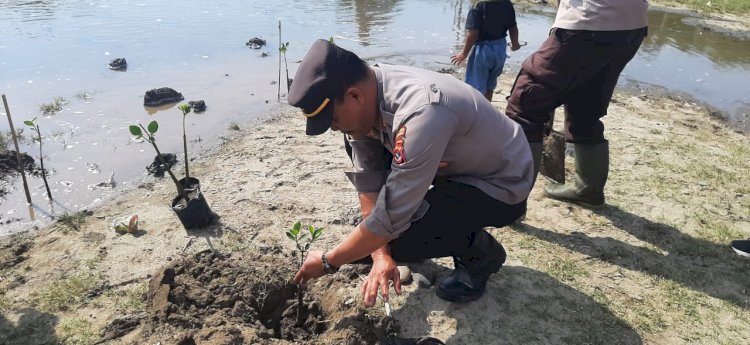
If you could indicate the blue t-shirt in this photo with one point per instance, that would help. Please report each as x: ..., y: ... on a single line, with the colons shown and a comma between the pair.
x: 493, y: 19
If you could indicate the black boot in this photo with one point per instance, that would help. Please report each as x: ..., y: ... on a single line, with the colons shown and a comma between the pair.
x: 470, y: 274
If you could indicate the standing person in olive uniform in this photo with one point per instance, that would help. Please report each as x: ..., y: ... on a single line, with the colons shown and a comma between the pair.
x: 487, y: 25
x: 437, y: 131
x: 578, y: 66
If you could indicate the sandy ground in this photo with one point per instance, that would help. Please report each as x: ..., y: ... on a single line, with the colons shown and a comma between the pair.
x: 651, y: 267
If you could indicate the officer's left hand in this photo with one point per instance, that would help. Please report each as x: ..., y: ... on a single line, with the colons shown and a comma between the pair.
x: 312, y: 268
x: 458, y: 58
x: 383, y: 270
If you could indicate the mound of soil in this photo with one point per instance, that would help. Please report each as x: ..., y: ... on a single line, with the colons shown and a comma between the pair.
x: 212, y: 298
x: 164, y: 95
x: 157, y: 168
x: 9, y: 167
x: 119, y: 64
x: 12, y: 251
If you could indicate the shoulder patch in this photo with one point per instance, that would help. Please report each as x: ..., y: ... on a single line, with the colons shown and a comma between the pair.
x: 399, y: 154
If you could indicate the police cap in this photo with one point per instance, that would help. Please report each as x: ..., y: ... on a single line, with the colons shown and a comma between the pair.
x: 317, y: 82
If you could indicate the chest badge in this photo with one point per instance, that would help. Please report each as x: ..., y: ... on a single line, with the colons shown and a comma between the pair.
x: 399, y: 154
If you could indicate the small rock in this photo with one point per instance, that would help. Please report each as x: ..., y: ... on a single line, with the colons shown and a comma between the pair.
x: 198, y: 106
x: 118, y: 64
x: 256, y: 43
x: 349, y: 302
x: 421, y: 280
x: 164, y: 95
x: 404, y: 274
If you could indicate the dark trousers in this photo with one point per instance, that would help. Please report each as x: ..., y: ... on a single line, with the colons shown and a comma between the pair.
x: 578, y: 69
x: 454, y: 224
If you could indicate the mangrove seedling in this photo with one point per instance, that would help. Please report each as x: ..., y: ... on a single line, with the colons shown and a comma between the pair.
x: 185, y: 108
x: 284, y: 47
x: 303, y: 240
x: 139, y: 132
x: 32, y: 124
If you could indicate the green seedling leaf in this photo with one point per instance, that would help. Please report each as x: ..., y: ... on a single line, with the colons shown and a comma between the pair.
x: 311, y: 229
x: 289, y: 234
x: 297, y: 226
x: 317, y: 233
x: 29, y: 123
x: 185, y: 108
x: 153, y: 126
x: 135, y: 130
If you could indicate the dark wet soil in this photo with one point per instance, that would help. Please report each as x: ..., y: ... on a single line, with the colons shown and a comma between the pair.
x: 160, y: 96
x: 212, y: 298
x: 13, y: 250
x: 9, y: 168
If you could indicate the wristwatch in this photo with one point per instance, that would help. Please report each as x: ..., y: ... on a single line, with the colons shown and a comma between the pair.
x: 327, y: 267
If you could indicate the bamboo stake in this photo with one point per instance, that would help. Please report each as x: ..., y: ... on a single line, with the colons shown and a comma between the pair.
x: 18, y: 157
x: 278, y: 93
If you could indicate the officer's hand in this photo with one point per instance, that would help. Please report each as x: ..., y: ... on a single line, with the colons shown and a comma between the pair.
x: 458, y: 58
x: 311, y: 268
x: 515, y: 46
x: 383, y: 270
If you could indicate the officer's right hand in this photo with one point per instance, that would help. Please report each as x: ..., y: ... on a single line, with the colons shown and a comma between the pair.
x: 383, y: 270
x: 515, y: 46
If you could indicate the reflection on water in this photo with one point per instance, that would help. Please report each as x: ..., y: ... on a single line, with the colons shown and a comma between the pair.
x: 61, y: 48
x: 371, y: 15
x: 669, y: 29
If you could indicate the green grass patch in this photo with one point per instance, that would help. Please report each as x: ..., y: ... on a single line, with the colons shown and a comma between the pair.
x: 134, y: 299
x: 720, y: 6
x: 5, y: 302
x: 73, y: 221
x: 565, y: 269
x: 84, y: 95
x: 719, y: 233
x: 232, y: 242
x: 53, y: 107
x: 68, y: 293
x: 77, y: 332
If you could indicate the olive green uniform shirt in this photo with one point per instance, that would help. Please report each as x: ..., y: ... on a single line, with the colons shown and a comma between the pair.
x: 436, y: 126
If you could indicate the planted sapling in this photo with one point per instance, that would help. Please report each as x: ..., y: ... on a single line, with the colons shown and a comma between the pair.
x: 32, y: 124
x: 284, y: 47
x: 185, y: 108
x: 148, y: 134
x: 303, y: 240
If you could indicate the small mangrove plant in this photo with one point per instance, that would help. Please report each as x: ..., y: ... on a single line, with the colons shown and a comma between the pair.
x: 38, y: 138
x: 303, y: 240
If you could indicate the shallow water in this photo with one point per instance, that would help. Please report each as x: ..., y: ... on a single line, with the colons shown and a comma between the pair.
x: 52, y: 49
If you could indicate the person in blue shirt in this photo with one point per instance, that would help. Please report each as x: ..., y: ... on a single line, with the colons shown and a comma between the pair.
x: 487, y: 25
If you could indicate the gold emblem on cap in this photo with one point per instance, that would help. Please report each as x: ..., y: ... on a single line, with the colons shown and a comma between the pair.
x: 317, y: 111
